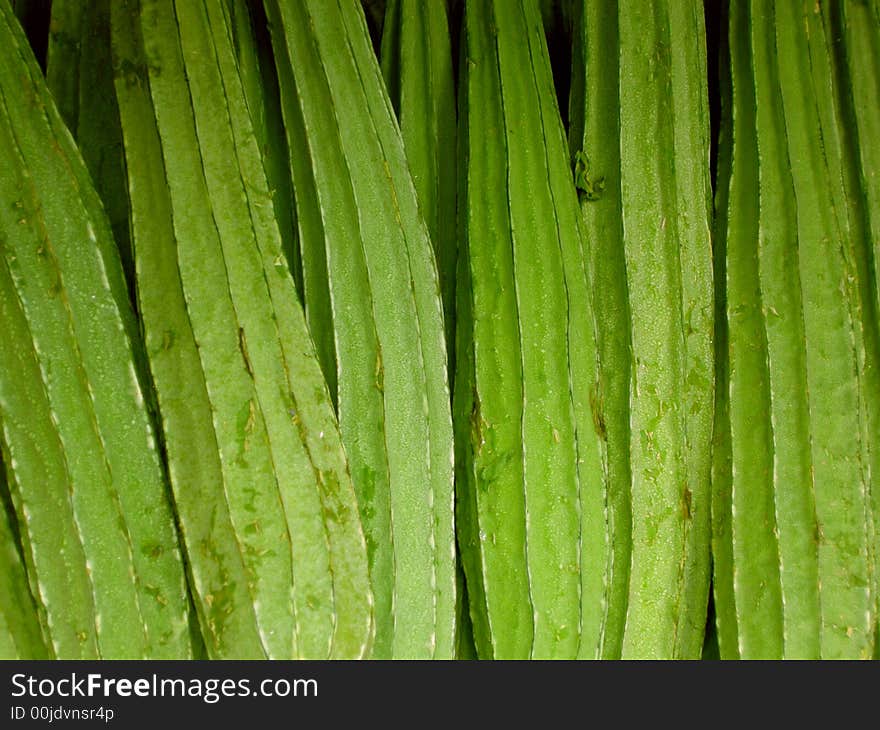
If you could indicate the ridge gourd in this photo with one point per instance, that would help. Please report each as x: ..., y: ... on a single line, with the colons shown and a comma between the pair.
x: 794, y: 496
x: 266, y: 505
x: 372, y: 297
x: 640, y: 141
x: 529, y: 454
x: 97, y: 529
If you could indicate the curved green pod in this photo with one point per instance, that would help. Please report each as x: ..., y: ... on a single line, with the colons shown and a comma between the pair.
x: 794, y: 490
x: 285, y: 526
x: 801, y: 566
x: 310, y: 408
x: 664, y: 193
x: 753, y: 570
x: 20, y: 632
x: 416, y: 60
x: 464, y: 405
x: 490, y: 502
x: 79, y: 75
x: 639, y: 139
x: 371, y: 286
x: 594, y: 143
x: 92, y: 487
x: 217, y: 575
x: 853, y: 198
x: 831, y: 324
x: 52, y: 545
x: 248, y: 26
x: 63, y: 54
x: 725, y: 627
x: 530, y: 452
x: 583, y: 355
x: 856, y: 29
x: 694, y: 211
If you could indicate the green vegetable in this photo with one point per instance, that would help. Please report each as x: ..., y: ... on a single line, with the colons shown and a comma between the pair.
x: 217, y: 574
x: 85, y: 473
x: 855, y: 28
x: 256, y: 65
x: 640, y: 143
x: 79, y: 75
x: 858, y: 26
x: 797, y: 581
x: 747, y: 388
x: 20, y: 633
x: 416, y: 61
x: 830, y: 334
x: 594, y: 132
x: 530, y: 458
x: 664, y: 203
x: 371, y: 289
x: 284, y: 480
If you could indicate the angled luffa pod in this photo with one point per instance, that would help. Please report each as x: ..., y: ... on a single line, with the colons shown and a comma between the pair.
x: 92, y: 504
x: 595, y: 143
x: 798, y: 402
x: 530, y: 508
x: 20, y: 633
x: 79, y: 74
x: 855, y: 29
x: 640, y: 141
x: 265, y: 501
x: 416, y: 59
x: 373, y: 304
x: 250, y: 37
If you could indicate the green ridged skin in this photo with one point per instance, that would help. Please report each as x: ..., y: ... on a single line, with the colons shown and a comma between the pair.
x: 464, y: 406
x: 309, y: 405
x: 664, y: 192
x: 753, y: 571
x: 79, y: 75
x: 491, y: 505
x: 359, y: 368
x: 284, y: 480
x: 67, y: 23
x: 250, y: 482
x: 831, y: 324
x: 859, y: 30
x: 837, y: 125
x: 795, y: 502
x: 218, y: 578
x: 801, y: 564
x: 256, y: 67
x: 856, y: 30
x: 531, y: 456
x: 31, y: 447
x: 721, y: 496
x: 594, y: 133
x: 416, y: 60
x: 583, y: 354
x: 548, y: 431
x: 311, y: 234
x: 20, y: 632
x: 694, y: 193
x: 64, y: 292
x: 371, y: 245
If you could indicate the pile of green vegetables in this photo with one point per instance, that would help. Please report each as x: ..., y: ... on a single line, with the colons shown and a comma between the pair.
x: 422, y: 329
